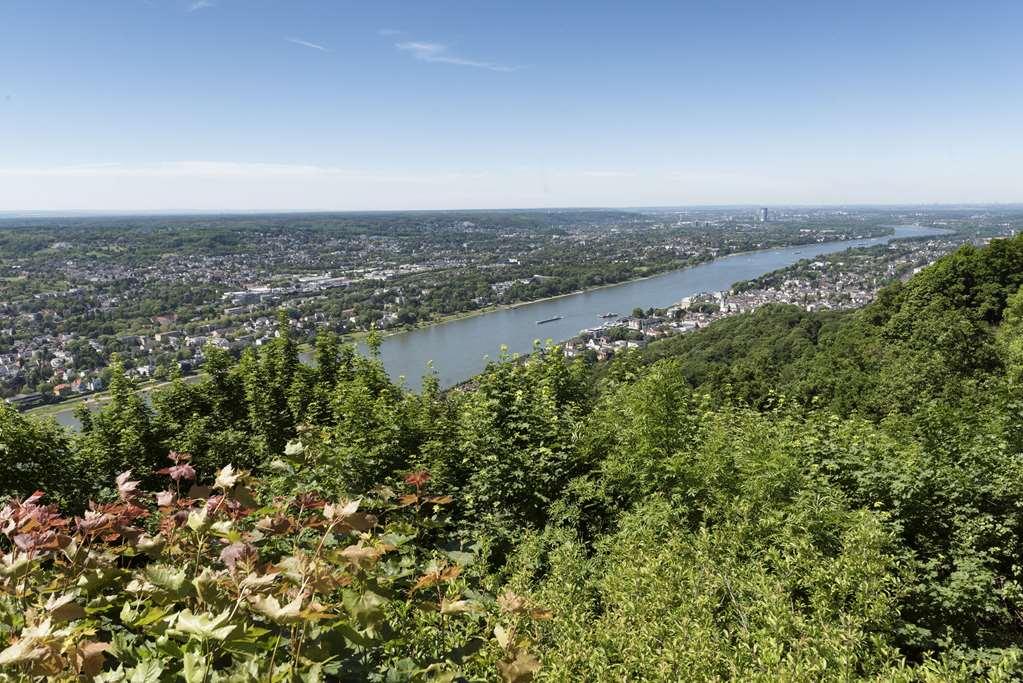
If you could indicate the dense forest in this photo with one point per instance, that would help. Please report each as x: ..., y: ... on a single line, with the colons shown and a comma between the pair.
x: 781, y: 496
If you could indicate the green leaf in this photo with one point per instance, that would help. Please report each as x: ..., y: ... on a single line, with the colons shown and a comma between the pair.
x: 151, y: 616
x: 147, y: 671
x: 97, y: 578
x: 197, y: 518
x: 458, y: 606
x: 15, y: 566
x: 64, y: 608
x: 128, y: 614
x: 226, y: 478
x: 194, y: 667
x: 364, y: 606
x: 222, y: 528
x: 117, y: 675
x: 460, y: 557
x: 314, y: 674
x: 166, y: 577
x: 270, y: 607
x: 440, y: 673
x: 354, y: 637
x: 202, y: 626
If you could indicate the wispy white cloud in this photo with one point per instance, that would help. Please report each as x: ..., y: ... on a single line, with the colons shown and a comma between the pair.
x: 389, y: 32
x: 438, y: 53
x: 306, y: 43
x: 200, y: 4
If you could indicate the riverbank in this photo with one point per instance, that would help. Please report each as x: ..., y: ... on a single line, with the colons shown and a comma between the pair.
x: 100, y: 397
x: 358, y: 336
x: 466, y: 315
x: 486, y: 310
x: 459, y: 346
x: 51, y: 409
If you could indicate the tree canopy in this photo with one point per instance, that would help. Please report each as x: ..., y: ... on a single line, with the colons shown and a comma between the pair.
x: 783, y: 495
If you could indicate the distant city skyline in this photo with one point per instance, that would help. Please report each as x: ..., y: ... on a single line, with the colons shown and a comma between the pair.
x: 235, y: 105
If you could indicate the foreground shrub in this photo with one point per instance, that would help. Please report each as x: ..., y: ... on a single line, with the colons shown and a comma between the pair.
x: 231, y: 583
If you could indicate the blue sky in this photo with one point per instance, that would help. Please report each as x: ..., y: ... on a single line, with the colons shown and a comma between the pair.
x: 274, y: 104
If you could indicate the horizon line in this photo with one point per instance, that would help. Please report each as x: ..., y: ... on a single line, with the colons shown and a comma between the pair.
x: 99, y: 213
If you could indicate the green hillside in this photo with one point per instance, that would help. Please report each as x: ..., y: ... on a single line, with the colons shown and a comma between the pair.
x: 781, y: 496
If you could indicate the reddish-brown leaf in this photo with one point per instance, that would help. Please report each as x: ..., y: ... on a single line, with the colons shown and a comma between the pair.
x: 519, y: 670
x: 417, y: 479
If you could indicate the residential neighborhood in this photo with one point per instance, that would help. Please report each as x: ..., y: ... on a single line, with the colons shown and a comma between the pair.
x: 156, y: 295
x: 839, y: 281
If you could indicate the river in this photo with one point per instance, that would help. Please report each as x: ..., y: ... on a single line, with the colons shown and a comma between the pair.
x: 461, y: 348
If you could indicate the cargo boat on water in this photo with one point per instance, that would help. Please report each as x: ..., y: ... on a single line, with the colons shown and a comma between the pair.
x: 549, y: 320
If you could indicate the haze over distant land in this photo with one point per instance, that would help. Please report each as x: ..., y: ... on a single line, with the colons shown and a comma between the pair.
x: 224, y: 105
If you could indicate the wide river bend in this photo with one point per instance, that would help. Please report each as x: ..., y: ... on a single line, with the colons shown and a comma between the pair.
x: 461, y: 348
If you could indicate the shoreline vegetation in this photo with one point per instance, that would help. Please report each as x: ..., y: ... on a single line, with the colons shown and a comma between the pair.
x: 465, y: 315
x: 49, y: 410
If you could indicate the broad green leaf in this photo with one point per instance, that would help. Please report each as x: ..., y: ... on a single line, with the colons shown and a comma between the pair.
x: 167, y: 578
x: 151, y: 616
x: 457, y: 606
x: 226, y: 478
x: 197, y: 518
x: 15, y: 565
x: 205, y: 585
x: 117, y: 675
x: 128, y: 613
x: 441, y: 673
x: 64, y: 608
x: 270, y: 607
x: 147, y: 671
x: 460, y: 557
x: 203, y: 626
x: 151, y: 545
x: 314, y: 674
x: 92, y: 580
x: 194, y: 667
x: 365, y: 606
x: 222, y: 528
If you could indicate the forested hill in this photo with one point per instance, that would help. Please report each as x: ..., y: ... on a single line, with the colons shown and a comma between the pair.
x: 933, y: 337
x: 782, y: 496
